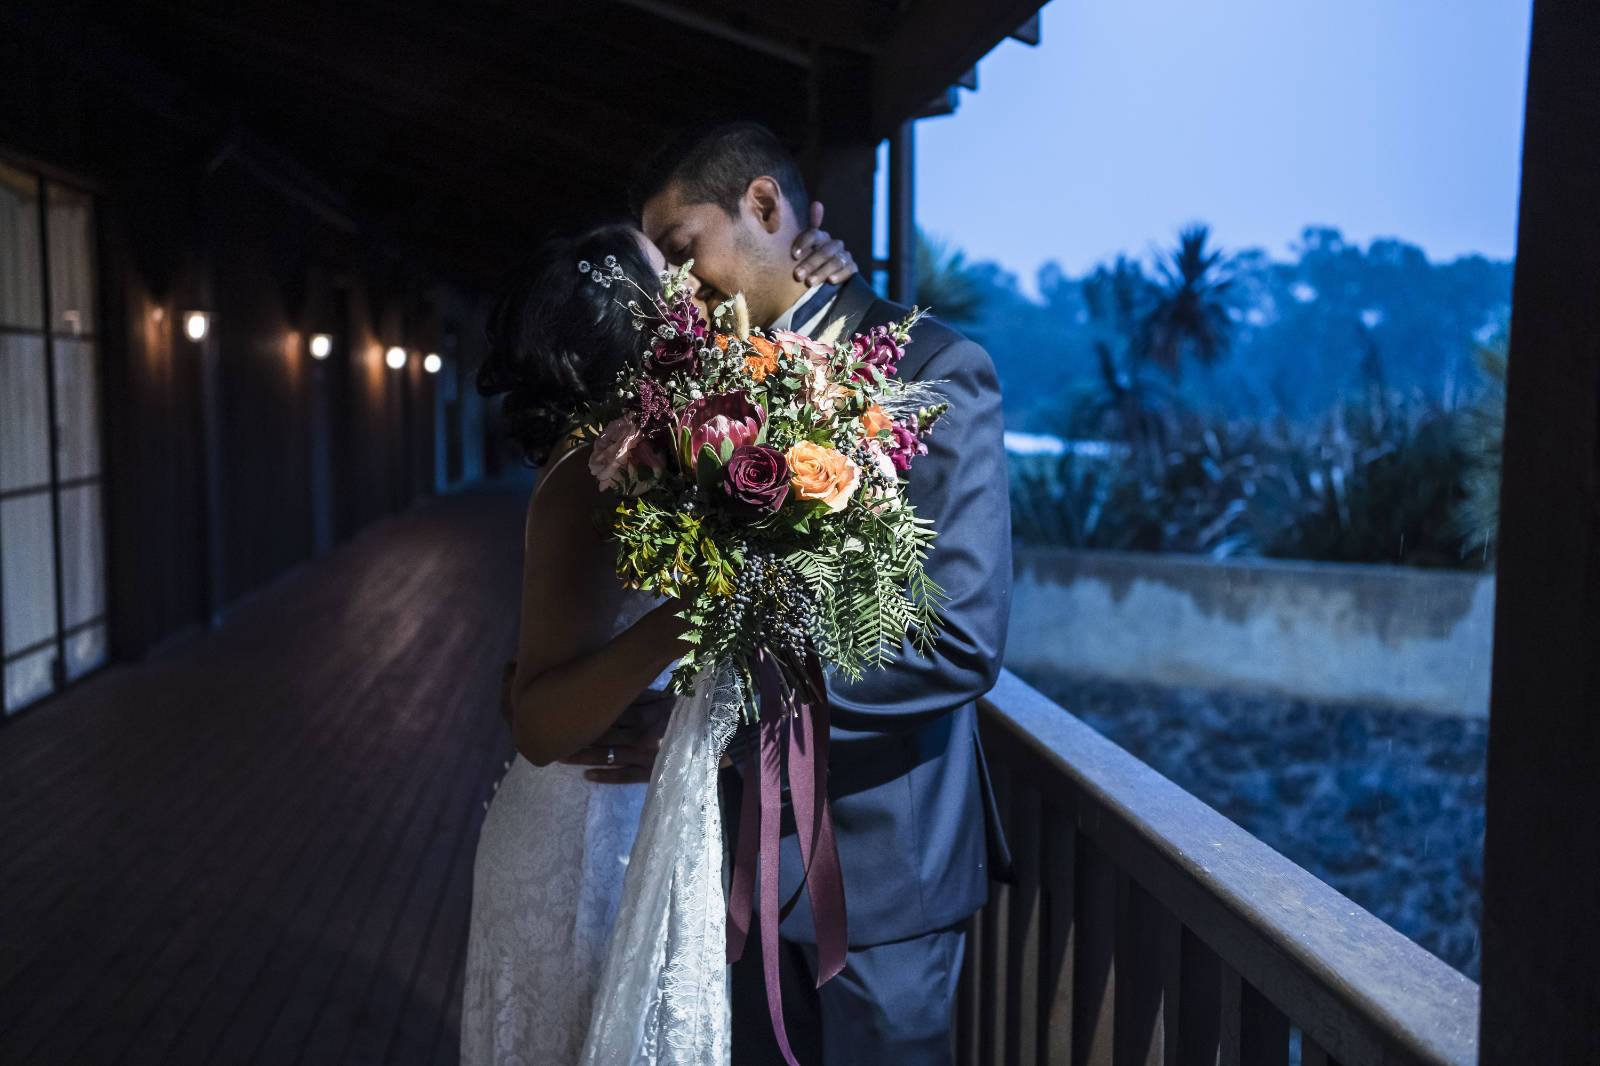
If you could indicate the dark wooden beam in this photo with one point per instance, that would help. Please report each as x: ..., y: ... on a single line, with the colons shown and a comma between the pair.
x: 1541, y: 936
x: 936, y: 43
x: 412, y: 82
x: 686, y: 15
x: 945, y: 103
x: 1028, y: 33
x: 860, y: 26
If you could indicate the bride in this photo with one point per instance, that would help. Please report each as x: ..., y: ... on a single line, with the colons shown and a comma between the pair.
x: 548, y: 876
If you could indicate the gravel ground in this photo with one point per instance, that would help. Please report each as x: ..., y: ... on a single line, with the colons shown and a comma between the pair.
x: 1386, y: 805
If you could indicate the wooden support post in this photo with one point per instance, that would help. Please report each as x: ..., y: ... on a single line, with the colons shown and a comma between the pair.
x: 841, y: 156
x: 1541, y: 938
x: 843, y: 183
x: 903, y: 213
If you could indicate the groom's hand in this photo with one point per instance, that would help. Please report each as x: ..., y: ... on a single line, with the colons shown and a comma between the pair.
x: 626, y: 753
x: 820, y: 257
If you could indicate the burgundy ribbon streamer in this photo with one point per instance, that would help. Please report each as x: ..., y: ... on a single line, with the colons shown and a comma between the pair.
x: 793, y: 725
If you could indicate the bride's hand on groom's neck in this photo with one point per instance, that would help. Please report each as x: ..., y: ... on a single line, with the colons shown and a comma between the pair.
x: 820, y: 257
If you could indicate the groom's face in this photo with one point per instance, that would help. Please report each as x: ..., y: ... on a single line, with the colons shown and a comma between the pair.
x: 730, y: 252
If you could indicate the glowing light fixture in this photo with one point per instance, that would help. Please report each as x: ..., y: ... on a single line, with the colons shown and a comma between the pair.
x: 321, y: 345
x: 396, y: 358
x: 196, y: 324
x: 432, y: 363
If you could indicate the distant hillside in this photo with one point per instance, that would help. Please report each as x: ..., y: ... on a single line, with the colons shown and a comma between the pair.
x: 1306, y: 333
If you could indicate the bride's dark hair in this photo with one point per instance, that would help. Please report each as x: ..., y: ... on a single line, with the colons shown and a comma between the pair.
x: 556, y: 338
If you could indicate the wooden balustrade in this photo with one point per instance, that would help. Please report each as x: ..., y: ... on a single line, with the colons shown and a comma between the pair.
x: 1145, y: 929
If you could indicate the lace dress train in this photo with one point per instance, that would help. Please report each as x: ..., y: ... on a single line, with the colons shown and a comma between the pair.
x: 546, y: 885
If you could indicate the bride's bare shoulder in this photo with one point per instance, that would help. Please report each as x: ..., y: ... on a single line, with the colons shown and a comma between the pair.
x: 565, y: 498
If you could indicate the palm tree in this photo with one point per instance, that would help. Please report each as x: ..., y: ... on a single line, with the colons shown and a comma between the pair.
x: 1118, y: 298
x: 1126, y: 403
x: 945, y: 281
x: 1191, y: 314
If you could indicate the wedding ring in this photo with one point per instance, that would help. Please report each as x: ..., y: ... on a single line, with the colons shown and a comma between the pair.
x: 611, y: 756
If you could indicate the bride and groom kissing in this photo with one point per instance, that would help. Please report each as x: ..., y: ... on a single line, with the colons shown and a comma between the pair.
x: 912, y: 814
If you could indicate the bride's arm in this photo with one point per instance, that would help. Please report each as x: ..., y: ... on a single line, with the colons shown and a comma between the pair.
x: 572, y: 678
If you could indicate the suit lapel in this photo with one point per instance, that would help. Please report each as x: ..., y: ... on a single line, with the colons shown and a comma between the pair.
x: 855, y: 300
x: 856, y: 303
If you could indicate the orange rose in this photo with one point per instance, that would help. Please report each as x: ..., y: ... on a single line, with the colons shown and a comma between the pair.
x: 817, y: 472
x: 722, y: 341
x: 765, y: 361
x: 875, y: 421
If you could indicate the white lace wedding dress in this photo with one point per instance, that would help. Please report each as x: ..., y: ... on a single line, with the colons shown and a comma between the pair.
x: 546, y: 984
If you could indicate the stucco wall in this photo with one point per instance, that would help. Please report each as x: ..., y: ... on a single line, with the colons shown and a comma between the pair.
x: 1392, y: 635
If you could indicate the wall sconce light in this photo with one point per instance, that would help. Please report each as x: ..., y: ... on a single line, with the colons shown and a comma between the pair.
x: 321, y: 345
x: 432, y: 363
x: 196, y: 324
x: 396, y: 358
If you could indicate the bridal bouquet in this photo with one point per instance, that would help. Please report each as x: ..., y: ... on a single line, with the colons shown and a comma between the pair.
x: 760, y: 483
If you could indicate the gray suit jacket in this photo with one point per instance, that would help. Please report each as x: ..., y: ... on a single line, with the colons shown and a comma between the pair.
x: 911, y: 804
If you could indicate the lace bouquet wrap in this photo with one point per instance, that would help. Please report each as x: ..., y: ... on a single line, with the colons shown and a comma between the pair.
x: 759, y: 481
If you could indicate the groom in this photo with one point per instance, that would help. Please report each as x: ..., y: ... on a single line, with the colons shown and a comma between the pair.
x: 910, y: 795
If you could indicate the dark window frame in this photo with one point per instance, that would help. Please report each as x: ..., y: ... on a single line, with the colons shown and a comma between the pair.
x: 44, y: 178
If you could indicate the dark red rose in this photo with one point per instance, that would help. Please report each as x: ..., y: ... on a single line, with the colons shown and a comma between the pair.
x: 679, y: 335
x: 681, y: 351
x: 756, y: 481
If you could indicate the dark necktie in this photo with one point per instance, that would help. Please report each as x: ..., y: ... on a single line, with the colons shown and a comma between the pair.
x: 808, y: 310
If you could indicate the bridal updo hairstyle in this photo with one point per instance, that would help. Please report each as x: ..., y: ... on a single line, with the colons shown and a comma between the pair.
x: 557, y: 338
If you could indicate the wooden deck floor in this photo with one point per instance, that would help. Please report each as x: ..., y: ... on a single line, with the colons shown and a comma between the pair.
x: 257, y: 846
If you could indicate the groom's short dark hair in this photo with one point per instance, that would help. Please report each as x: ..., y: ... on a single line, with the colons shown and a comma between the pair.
x: 718, y: 165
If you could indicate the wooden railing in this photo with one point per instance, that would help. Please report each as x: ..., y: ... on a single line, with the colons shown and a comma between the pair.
x: 1145, y: 929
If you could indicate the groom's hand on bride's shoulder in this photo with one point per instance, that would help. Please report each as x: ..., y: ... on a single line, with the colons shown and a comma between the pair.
x: 626, y: 753
x: 820, y: 257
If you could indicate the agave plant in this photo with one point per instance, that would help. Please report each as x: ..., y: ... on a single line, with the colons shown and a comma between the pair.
x: 1386, y: 471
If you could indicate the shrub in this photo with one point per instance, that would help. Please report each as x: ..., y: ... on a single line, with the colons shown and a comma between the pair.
x: 1379, y: 481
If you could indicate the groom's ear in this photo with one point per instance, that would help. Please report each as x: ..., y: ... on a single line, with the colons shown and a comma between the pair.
x: 766, y: 203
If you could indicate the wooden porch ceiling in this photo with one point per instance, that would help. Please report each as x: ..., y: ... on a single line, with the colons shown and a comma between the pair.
x: 468, y: 129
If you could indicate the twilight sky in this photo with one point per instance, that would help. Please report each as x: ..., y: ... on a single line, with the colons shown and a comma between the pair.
x: 1380, y: 117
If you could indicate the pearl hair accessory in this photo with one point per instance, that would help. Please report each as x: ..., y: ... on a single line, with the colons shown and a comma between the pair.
x: 610, y: 271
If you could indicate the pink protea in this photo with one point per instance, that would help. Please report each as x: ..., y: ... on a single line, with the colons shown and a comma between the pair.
x: 723, y: 416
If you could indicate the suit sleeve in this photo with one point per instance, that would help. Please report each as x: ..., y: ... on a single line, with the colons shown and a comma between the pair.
x: 961, y: 484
